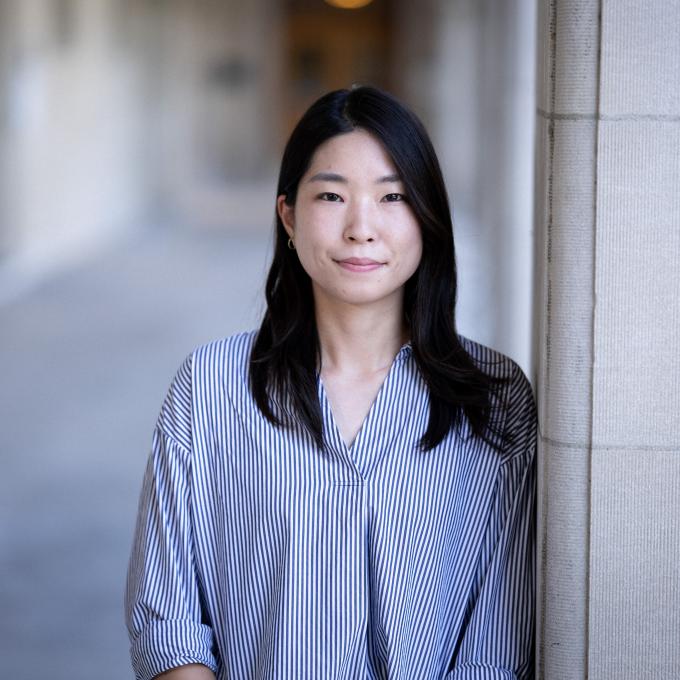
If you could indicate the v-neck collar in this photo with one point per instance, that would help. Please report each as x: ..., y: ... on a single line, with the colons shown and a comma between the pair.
x: 362, y: 454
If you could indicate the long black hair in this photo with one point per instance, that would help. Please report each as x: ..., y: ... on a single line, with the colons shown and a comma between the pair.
x: 285, y: 356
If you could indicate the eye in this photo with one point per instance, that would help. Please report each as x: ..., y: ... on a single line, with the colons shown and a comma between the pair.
x: 392, y: 198
x: 330, y: 196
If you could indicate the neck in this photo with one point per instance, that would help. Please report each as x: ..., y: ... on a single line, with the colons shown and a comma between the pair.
x: 359, y: 340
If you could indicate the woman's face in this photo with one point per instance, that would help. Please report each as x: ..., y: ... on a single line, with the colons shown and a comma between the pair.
x: 354, y: 232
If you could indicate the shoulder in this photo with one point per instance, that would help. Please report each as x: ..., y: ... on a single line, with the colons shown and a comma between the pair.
x: 497, y: 365
x: 491, y: 361
x: 225, y: 357
x: 513, y: 395
x: 216, y: 366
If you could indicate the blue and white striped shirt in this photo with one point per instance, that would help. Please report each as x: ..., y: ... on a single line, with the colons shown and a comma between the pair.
x: 261, y: 556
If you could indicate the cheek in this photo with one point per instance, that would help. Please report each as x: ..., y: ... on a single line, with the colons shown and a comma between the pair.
x: 305, y: 257
x: 413, y: 246
x: 415, y: 261
x: 309, y: 252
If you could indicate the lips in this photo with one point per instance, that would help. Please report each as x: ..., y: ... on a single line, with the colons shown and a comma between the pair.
x: 359, y: 264
x: 360, y: 261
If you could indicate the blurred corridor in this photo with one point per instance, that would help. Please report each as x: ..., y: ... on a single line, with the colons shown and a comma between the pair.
x: 139, y: 144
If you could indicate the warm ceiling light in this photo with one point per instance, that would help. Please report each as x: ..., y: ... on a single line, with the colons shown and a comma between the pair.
x: 349, y: 4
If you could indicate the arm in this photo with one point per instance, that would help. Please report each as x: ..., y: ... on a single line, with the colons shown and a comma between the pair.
x: 498, y: 639
x: 166, y: 622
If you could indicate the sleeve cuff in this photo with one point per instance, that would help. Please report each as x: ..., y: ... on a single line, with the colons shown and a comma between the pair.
x: 163, y: 645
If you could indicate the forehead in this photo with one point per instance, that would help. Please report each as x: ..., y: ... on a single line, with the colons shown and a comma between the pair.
x: 356, y: 152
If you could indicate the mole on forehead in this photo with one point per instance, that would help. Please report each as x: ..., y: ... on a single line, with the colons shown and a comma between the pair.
x: 334, y: 177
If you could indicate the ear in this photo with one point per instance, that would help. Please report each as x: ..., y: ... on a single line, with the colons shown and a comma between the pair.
x: 287, y: 215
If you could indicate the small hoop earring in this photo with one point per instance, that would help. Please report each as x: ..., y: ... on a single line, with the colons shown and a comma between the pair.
x: 291, y: 245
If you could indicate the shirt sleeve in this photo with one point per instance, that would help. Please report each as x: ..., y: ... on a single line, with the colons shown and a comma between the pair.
x: 498, y: 643
x: 162, y: 599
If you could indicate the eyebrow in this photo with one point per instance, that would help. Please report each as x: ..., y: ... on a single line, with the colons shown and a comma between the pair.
x: 334, y: 177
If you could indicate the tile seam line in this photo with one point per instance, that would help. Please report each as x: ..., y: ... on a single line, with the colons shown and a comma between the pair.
x: 547, y: 329
x: 610, y: 118
x: 593, y: 320
x: 608, y: 447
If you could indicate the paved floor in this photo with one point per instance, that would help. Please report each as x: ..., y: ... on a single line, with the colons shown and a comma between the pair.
x: 85, y: 361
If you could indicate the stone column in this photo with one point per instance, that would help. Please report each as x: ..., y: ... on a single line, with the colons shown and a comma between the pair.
x: 608, y: 329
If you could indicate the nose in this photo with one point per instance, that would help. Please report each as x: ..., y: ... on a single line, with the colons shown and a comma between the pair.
x: 361, y: 223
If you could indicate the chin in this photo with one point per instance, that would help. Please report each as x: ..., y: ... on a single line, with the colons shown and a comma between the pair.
x: 366, y: 293
x: 363, y: 298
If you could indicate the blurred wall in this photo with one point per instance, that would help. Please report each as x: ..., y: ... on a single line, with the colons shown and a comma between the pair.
x: 488, y: 152
x: 74, y: 146
x: 220, y: 88
x: 5, y: 241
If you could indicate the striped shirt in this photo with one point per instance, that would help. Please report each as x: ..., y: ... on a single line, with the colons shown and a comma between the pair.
x: 261, y: 556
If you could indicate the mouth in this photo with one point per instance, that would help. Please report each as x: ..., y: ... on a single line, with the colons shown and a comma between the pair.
x: 359, y: 264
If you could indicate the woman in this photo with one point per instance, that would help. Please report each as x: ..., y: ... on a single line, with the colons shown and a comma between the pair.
x: 348, y: 492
